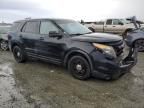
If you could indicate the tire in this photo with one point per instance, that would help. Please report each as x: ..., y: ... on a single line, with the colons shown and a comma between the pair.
x: 139, y: 44
x: 4, y: 45
x: 18, y: 54
x: 79, y: 67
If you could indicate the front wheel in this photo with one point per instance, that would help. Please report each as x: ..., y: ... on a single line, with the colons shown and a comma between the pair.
x: 4, y: 45
x: 79, y: 67
x: 19, y: 54
x: 139, y: 44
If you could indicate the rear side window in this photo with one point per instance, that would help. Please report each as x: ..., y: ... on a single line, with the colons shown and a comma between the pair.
x: 109, y: 22
x: 47, y: 26
x: 16, y: 26
x: 31, y: 27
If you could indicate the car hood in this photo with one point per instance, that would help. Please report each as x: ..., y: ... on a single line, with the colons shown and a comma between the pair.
x: 98, y: 37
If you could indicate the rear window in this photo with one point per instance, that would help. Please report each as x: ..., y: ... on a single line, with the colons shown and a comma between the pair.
x: 109, y: 22
x: 16, y: 26
x: 31, y: 27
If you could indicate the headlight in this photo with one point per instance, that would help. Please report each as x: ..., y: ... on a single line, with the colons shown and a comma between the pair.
x: 105, y: 49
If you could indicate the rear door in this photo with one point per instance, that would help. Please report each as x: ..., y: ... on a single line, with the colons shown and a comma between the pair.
x: 29, y: 36
x: 117, y: 27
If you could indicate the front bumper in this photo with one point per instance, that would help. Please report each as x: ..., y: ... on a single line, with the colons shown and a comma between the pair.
x: 112, y: 69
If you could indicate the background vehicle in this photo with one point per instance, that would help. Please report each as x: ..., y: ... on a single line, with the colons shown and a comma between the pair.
x: 68, y: 43
x: 136, y: 34
x: 118, y: 26
x: 4, y: 37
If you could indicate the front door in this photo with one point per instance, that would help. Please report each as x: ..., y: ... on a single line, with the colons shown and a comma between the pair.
x: 117, y: 26
x: 50, y: 48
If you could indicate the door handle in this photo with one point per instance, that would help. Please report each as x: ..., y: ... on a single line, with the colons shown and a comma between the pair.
x: 114, y: 26
x: 41, y: 38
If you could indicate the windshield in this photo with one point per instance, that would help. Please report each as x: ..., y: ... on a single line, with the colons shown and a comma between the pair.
x: 124, y: 21
x: 4, y: 29
x: 73, y: 27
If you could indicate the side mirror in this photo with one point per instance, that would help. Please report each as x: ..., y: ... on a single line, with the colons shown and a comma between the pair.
x: 55, y: 34
x: 120, y: 23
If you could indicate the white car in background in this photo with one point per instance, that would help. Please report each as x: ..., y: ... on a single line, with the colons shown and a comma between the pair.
x: 117, y: 26
x: 4, y: 37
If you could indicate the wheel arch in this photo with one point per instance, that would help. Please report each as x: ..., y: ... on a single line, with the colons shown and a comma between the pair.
x: 1, y: 40
x: 15, y: 44
x: 128, y: 29
x: 136, y: 40
x: 77, y: 52
x: 125, y: 32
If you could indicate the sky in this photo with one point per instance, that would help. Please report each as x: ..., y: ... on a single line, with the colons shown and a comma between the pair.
x: 88, y: 10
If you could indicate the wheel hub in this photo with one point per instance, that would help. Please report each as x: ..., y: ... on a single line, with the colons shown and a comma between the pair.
x: 18, y: 54
x: 79, y: 67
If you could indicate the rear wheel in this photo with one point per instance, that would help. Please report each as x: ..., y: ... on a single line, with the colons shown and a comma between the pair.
x: 4, y: 45
x: 139, y: 44
x: 19, y: 54
x: 79, y: 67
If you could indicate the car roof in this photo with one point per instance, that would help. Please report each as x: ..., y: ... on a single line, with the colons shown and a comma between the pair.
x: 52, y: 19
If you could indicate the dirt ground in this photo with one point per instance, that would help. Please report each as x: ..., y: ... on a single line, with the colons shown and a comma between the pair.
x: 36, y: 84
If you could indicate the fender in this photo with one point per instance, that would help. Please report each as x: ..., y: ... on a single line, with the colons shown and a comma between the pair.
x: 80, y: 52
x: 13, y: 43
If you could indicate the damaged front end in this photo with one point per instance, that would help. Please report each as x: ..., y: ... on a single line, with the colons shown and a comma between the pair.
x: 109, y: 69
x: 129, y: 61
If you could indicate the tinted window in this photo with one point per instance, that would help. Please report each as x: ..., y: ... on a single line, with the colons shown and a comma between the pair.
x: 47, y: 26
x: 31, y: 27
x: 109, y: 22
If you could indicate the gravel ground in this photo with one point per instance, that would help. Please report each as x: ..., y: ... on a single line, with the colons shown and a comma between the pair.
x: 36, y: 84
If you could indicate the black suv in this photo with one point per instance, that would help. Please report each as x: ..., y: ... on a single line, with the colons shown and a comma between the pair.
x: 67, y: 42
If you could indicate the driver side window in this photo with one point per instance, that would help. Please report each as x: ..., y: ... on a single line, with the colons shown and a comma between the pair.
x: 47, y: 26
x: 116, y: 22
